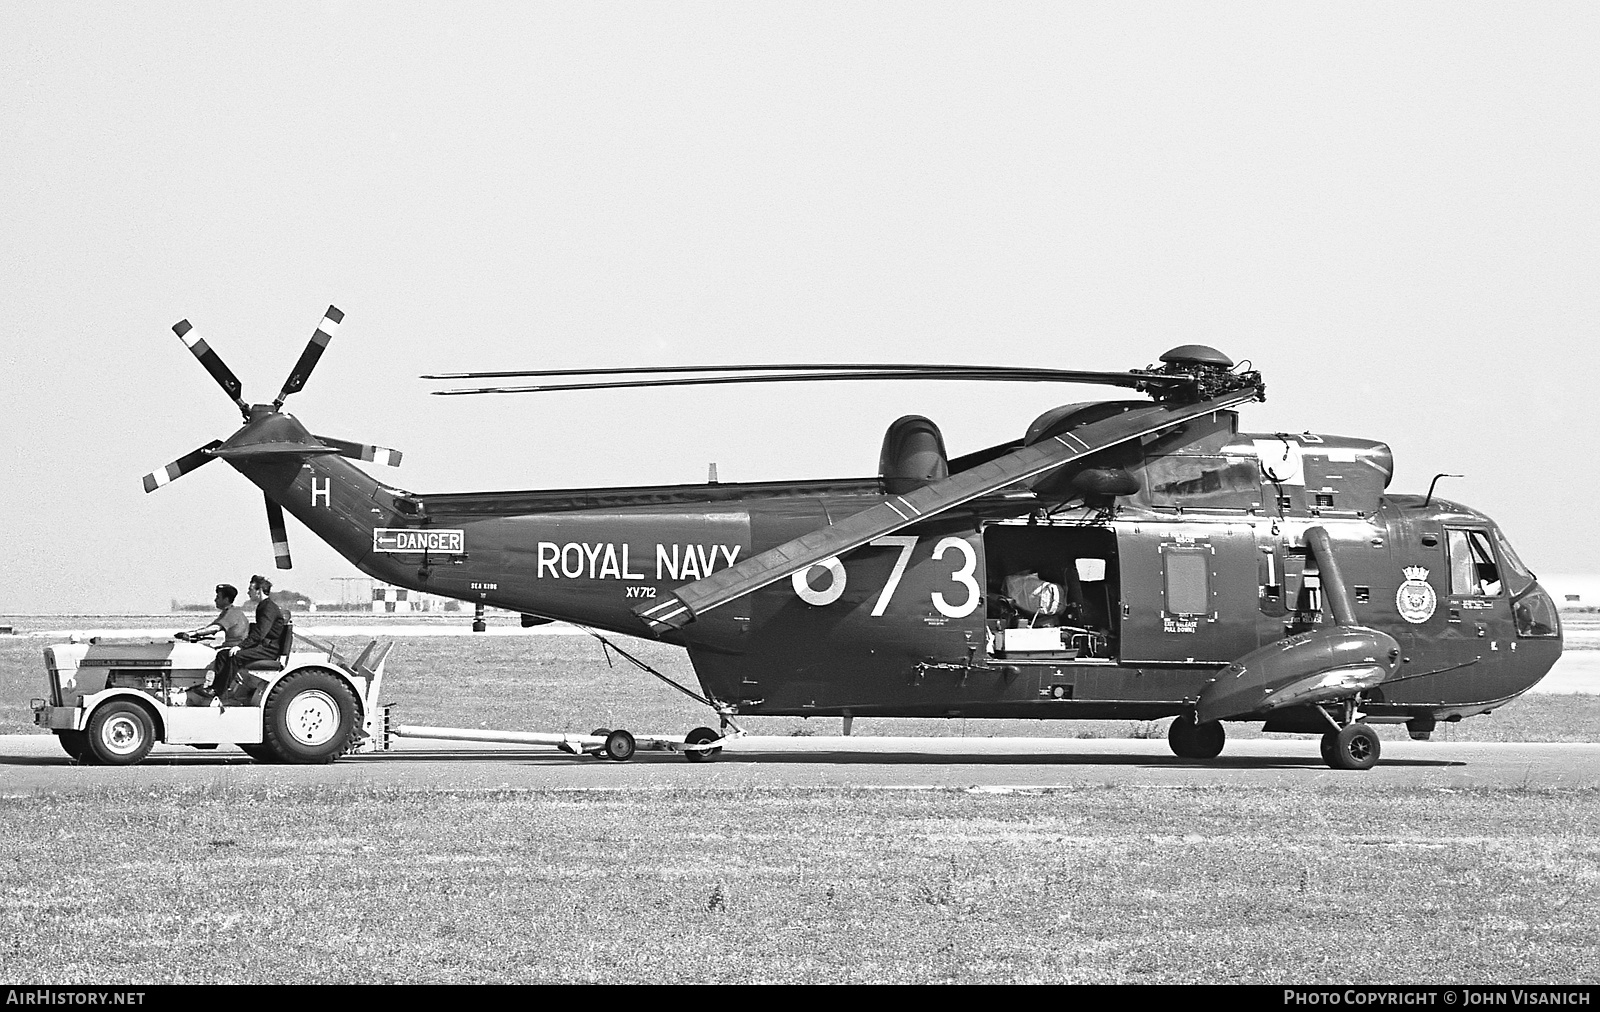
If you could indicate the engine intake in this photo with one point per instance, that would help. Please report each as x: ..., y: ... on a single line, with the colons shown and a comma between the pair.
x: 913, y: 455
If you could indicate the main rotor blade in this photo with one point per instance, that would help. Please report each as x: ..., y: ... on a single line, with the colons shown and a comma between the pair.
x: 180, y: 467
x: 985, y: 373
x: 280, y: 534
x: 212, y: 361
x: 362, y: 451
x: 308, y: 358
x: 802, y: 367
x: 687, y: 602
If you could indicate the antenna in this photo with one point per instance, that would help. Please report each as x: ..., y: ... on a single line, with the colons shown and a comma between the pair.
x: 1434, y: 482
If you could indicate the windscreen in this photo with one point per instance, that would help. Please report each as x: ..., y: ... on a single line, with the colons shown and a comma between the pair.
x: 1518, y: 577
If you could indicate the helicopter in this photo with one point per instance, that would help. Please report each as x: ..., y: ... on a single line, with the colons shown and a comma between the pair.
x: 1122, y: 559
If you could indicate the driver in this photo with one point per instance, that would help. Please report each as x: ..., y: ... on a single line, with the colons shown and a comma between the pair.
x: 230, y: 622
x: 261, y: 644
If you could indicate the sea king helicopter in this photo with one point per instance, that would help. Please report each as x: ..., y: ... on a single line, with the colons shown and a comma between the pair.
x: 1127, y: 559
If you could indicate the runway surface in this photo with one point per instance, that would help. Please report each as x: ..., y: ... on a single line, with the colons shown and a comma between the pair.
x: 34, y: 763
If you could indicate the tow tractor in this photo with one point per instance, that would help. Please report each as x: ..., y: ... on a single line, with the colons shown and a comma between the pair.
x: 111, y: 700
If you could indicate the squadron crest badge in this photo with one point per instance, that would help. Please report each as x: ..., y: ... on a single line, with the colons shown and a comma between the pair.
x: 1415, y: 600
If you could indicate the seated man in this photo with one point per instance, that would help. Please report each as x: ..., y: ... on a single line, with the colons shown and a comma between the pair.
x: 230, y: 622
x: 261, y: 644
x: 1039, y: 602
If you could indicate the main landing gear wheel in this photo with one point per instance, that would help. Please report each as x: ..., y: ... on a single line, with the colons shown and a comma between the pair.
x: 308, y: 717
x: 1355, y: 747
x: 700, y: 736
x: 619, y: 746
x: 1189, y: 740
x: 120, y: 734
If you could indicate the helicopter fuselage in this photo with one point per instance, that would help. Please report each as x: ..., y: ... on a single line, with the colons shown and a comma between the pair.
x: 1035, y: 601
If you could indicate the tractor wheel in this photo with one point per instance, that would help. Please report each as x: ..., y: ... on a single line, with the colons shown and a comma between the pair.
x: 74, y: 744
x: 1355, y: 747
x: 619, y: 746
x: 1189, y: 740
x: 308, y: 717
x: 260, y: 753
x: 120, y: 733
x: 700, y: 736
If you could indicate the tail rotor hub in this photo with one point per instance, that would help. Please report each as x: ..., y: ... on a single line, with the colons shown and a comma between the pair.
x: 260, y: 437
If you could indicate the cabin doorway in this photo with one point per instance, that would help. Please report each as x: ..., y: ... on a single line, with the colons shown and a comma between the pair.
x: 1052, y: 591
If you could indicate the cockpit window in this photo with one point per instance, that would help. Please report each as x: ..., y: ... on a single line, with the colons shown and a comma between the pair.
x: 1472, y: 568
x: 1518, y: 576
x: 1536, y: 616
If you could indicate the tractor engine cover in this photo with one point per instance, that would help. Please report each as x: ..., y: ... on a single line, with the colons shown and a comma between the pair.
x: 137, y: 664
x: 1313, y: 667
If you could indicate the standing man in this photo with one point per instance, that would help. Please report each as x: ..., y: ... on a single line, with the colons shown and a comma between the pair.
x: 261, y: 644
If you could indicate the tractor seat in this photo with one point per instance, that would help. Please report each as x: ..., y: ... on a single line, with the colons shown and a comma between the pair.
x: 284, y: 643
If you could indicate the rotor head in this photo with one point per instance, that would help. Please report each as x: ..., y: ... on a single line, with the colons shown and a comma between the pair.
x: 1197, y: 354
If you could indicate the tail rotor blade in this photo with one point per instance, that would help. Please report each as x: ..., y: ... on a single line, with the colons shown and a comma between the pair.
x: 180, y: 467
x: 362, y: 451
x: 212, y: 361
x: 280, y: 534
x: 308, y: 358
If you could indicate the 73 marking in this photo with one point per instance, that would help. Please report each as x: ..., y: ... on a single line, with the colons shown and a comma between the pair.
x: 964, y: 576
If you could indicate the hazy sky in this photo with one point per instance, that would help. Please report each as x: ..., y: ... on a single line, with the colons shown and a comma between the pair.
x: 1392, y: 210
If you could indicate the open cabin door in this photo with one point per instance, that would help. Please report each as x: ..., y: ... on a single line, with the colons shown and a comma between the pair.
x: 1052, y: 590
x: 1189, y: 592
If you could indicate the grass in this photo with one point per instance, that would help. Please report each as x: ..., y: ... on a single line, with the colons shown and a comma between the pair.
x: 1347, y: 883
x: 1090, y: 885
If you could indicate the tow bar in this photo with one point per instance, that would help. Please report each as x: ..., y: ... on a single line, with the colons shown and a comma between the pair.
x: 698, y: 745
